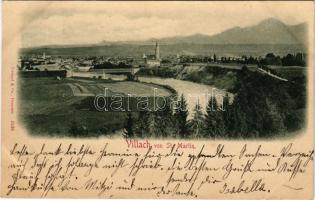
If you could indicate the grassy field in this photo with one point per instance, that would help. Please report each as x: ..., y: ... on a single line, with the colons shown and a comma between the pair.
x: 50, y: 107
x: 291, y: 72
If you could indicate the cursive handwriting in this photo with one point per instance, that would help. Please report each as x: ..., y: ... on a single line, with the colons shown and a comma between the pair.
x: 146, y: 168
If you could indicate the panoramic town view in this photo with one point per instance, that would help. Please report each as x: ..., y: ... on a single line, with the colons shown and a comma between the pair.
x: 243, y: 82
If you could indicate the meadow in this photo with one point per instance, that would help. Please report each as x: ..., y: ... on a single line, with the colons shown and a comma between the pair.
x: 49, y: 106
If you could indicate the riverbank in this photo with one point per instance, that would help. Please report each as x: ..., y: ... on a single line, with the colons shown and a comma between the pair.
x: 193, y: 92
x: 223, y: 78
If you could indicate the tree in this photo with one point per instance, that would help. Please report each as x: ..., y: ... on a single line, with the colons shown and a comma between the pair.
x: 142, y: 128
x: 159, y: 126
x: 214, y: 123
x: 197, y: 123
x: 168, y: 121
x: 300, y: 59
x: 181, y: 114
x: 163, y: 123
x: 227, y: 114
x: 272, y: 122
x: 238, y: 126
x: 159, y: 123
x: 214, y: 58
x: 288, y: 60
x: 74, y: 130
x: 128, y: 132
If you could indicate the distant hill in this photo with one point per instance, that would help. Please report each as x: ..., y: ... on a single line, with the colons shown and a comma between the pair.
x: 270, y: 35
x: 269, y: 31
x: 137, y: 51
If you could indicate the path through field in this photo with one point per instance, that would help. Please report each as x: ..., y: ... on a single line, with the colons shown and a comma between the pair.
x: 122, y: 88
x: 79, y: 90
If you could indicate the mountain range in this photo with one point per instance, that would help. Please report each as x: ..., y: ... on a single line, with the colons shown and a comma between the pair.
x: 270, y: 31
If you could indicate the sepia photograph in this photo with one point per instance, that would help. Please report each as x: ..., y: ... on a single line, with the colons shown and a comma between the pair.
x: 157, y: 99
x: 145, y: 74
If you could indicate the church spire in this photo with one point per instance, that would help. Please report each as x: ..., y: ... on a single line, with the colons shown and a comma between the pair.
x: 157, y: 51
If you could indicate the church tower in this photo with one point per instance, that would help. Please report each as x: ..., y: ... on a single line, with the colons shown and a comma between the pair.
x: 157, y: 51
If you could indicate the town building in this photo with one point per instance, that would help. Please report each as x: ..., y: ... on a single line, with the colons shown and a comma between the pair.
x: 153, y: 60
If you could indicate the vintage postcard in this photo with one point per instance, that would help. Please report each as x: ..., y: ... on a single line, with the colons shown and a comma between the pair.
x: 171, y: 100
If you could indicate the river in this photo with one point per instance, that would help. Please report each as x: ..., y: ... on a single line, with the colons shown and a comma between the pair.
x: 193, y: 92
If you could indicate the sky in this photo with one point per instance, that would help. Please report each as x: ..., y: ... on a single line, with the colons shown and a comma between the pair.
x: 93, y: 22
